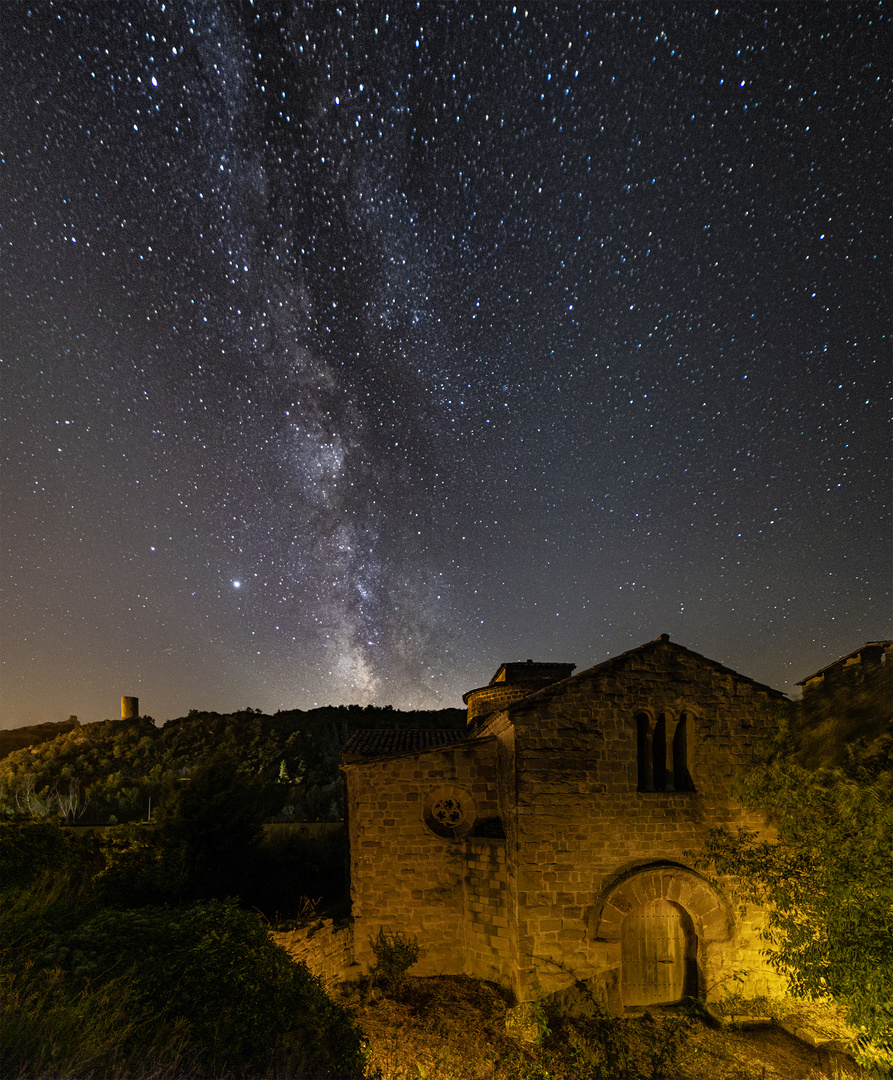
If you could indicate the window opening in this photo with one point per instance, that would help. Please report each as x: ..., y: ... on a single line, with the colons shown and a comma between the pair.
x: 643, y: 747
x: 662, y: 782
x: 448, y: 812
x: 681, y: 776
x: 662, y: 753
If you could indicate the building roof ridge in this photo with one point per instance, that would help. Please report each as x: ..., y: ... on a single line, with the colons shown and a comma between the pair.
x: 883, y: 643
x: 620, y: 658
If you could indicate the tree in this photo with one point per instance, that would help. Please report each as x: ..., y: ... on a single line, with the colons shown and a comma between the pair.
x: 827, y: 880
x: 72, y: 800
x: 214, y: 822
x: 30, y: 802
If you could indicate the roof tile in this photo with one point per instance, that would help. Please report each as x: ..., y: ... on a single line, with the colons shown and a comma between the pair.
x: 383, y: 742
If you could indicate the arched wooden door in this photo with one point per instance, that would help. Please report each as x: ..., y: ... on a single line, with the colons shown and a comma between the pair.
x: 658, y: 951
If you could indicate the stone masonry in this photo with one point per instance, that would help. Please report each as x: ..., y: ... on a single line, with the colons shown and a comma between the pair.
x: 324, y: 946
x: 554, y: 839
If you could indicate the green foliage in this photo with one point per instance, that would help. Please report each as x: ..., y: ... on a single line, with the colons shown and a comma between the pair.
x: 97, y: 770
x: 114, y: 769
x: 594, y: 1045
x: 216, y: 967
x: 137, y: 865
x: 12, y: 739
x: 194, y: 991
x: 394, y: 956
x: 138, y: 869
x: 828, y: 879
x: 584, y: 1042
x: 30, y: 849
x: 48, y: 1032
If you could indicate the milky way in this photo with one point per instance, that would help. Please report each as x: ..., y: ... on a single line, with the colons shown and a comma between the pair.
x: 352, y: 350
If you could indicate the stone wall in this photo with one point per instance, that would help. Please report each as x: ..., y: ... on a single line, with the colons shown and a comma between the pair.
x: 576, y: 821
x: 487, y: 951
x: 403, y: 875
x: 325, y: 947
x: 584, y: 827
x: 497, y: 696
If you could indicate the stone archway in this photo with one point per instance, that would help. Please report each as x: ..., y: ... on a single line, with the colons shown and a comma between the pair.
x: 680, y: 913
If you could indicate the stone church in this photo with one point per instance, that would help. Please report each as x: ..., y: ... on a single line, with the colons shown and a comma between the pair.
x: 551, y: 840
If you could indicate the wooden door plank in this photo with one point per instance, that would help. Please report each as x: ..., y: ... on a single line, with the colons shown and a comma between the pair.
x: 653, y: 954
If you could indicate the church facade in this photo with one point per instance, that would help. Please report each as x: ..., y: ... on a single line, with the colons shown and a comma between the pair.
x: 552, y: 840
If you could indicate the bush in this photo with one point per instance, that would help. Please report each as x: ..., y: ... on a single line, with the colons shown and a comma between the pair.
x: 394, y: 956
x: 138, y: 869
x: 31, y: 849
x: 214, y: 966
x: 193, y: 991
x: 826, y: 880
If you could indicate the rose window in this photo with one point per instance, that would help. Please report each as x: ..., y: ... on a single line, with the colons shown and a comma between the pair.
x: 448, y: 812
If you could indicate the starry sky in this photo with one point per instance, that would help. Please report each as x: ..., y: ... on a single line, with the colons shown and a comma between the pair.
x: 353, y: 349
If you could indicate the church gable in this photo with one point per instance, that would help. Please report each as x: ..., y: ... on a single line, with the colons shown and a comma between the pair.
x: 661, y: 663
x: 660, y: 718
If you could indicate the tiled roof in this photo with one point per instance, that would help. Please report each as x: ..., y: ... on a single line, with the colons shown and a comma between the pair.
x: 383, y: 742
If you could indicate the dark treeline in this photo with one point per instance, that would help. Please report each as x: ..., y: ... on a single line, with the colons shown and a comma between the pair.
x: 114, y: 771
x: 22, y: 737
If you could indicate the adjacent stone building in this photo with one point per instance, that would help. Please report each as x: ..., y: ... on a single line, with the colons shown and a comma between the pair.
x: 551, y: 840
x: 870, y: 663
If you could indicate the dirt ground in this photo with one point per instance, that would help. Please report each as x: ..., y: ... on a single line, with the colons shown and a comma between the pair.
x: 454, y: 1028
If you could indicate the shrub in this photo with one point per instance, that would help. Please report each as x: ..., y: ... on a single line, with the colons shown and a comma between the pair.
x: 394, y: 956
x: 30, y: 849
x: 138, y: 869
x: 826, y: 880
x: 207, y: 977
x: 245, y: 1001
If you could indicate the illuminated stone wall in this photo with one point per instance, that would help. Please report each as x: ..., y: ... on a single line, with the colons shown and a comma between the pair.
x: 487, y: 949
x: 325, y: 947
x: 569, y: 796
x: 603, y: 786
x: 408, y: 867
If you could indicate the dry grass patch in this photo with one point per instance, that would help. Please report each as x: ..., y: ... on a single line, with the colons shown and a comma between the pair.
x: 453, y: 1027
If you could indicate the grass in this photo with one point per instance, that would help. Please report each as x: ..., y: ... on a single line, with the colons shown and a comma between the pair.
x: 47, y: 1033
x: 454, y: 1028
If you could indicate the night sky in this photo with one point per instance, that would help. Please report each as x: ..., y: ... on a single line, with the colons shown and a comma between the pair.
x: 352, y: 350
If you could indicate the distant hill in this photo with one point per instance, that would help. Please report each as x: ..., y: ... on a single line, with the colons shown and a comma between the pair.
x: 19, y: 738
x: 115, y: 770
